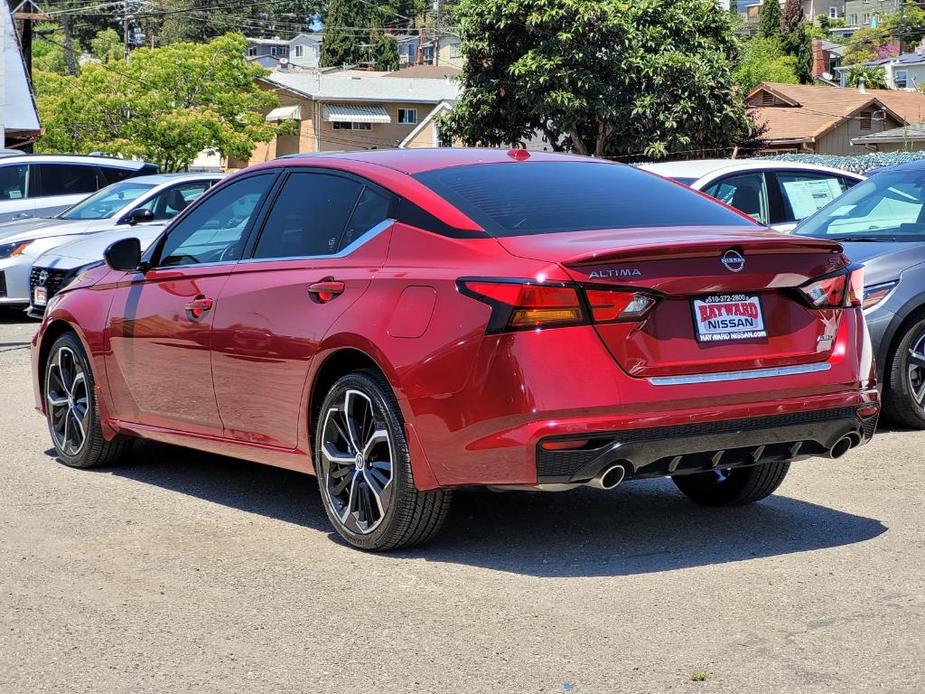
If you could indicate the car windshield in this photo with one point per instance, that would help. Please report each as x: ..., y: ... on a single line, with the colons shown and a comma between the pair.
x: 885, y: 207
x: 515, y: 199
x: 106, y: 202
x: 683, y: 179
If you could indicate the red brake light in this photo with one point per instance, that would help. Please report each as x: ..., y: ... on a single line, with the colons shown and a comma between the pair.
x: 836, y: 291
x: 526, y: 305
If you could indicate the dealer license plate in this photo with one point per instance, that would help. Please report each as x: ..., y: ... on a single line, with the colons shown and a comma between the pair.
x: 40, y: 296
x: 726, y: 317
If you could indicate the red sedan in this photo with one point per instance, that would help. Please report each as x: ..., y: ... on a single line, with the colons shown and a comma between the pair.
x: 403, y: 323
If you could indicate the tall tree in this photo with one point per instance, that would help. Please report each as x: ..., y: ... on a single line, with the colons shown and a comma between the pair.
x: 663, y: 86
x: 792, y: 16
x: 769, y: 19
x: 345, y: 42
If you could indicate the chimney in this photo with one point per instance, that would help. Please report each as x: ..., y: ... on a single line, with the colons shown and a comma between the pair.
x: 820, y: 64
x: 862, y: 85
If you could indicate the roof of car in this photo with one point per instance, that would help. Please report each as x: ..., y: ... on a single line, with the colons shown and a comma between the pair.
x: 160, y: 179
x: 698, y: 168
x: 417, y: 160
x: 77, y: 159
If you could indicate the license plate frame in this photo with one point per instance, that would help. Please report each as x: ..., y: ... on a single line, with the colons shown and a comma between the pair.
x: 40, y: 296
x: 724, y: 318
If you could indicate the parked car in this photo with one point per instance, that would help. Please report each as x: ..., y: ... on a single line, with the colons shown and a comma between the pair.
x: 406, y: 322
x: 881, y: 223
x: 42, y: 185
x: 775, y: 193
x: 141, y: 200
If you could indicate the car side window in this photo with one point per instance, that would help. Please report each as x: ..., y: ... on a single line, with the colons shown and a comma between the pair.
x: 745, y: 192
x: 13, y: 181
x: 214, y: 231
x: 66, y: 179
x: 309, y: 216
x: 172, y: 201
x: 803, y: 193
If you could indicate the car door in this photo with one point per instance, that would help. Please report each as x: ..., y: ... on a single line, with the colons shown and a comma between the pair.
x: 160, y: 326
x: 57, y: 186
x: 746, y: 192
x: 801, y: 193
x: 15, y: 201
x: 319, y: 247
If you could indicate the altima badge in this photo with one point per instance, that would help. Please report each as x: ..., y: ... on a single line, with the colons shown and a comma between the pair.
x: 733, y: 261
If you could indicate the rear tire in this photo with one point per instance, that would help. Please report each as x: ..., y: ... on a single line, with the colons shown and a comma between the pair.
x: 904, y: 399
x: 71, y: 410
x: 734, y: 486
x: 364, y: 469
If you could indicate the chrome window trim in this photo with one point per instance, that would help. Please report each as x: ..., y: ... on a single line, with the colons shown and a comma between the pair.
x: 365, y: 237
x: 724, y: 376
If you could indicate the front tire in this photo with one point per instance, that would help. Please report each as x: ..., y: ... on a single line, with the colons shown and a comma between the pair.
x: 71, y: 409
x: 733, y: 486
x: 364, y: 469
x: 905, y: 392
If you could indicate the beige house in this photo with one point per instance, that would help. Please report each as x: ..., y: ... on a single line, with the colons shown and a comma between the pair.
x: 349, y: 111
x: 826, y: 120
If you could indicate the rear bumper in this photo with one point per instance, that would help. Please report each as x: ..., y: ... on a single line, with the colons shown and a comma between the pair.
x: 670, y: 450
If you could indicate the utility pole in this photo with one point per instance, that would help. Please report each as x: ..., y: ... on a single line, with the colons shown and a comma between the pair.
x: 436, y: 32
x: 28, y: 13
x: 125, y: 27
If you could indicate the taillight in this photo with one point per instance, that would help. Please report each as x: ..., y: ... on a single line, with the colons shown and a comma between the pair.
x: 836, y: 291
x: 525, y: 305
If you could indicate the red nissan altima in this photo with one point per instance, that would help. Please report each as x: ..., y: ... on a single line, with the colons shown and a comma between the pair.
x: 404, y: 323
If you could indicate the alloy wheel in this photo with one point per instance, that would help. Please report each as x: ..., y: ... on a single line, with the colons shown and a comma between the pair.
x: 356, y: 457
x: 68, y: 401
x: 916, y: 371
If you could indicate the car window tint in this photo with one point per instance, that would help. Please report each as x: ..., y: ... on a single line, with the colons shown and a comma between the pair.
x: 541, y: 197
x: 13, y: 182
x: 744, y: 192
x: 804, y: 193
x: 214, y: 231
x: 66, y: 179
x: 170, y: 202
x: 114, y: 175
x: 371, y: 209
x: 309, y: 216
x: 106, y: 202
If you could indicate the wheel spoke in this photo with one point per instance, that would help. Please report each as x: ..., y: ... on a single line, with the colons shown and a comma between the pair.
x: 56, y: 400
x: 916, y: 359
x: 375, y: 487
x: 80, y: 430
x: 919, y: 393
x: 351, y: 399
x: 332, y: 455
x: 378, y: 436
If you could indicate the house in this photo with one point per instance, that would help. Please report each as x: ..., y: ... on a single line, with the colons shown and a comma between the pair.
x: 866, y: 13
x: 825, y: 120
x: 904, y: 139
x: 351, y: 111
x: 415, y: 49
x: 812, y: 9
x: 827, y: 58
x: 19, y: 118
x: 906, y: 71
x: 302, y: 50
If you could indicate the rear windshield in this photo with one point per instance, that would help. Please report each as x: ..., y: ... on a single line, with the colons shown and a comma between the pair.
x: 519, y: 198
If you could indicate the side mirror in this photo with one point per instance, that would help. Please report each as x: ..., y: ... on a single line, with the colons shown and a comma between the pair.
x: 139, y: 216
x: 124, y: 254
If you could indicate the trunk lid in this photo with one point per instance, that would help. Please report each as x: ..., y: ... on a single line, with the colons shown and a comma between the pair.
x: 700, y: 292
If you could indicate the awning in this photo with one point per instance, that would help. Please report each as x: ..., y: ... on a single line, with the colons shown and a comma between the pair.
x: 284, y: 113
x: 355, y: 113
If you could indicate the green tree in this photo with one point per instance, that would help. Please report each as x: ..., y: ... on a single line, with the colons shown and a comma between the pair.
x: 343, y: 44
x: 798, y: 43
x: 385, y: 52
x: 769, y: 19
x: 166, y: 105
x: 874, y: 77
x: 609, y: 78
x: 107, y: 46
x: 763, y: 60
x: 792, y: 16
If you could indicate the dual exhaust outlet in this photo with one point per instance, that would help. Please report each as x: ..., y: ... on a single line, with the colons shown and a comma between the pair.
x: 843, y: 445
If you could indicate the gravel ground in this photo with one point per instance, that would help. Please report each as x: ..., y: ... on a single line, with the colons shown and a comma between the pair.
x: 183, y: 572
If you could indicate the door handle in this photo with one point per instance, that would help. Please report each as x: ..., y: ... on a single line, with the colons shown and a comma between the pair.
x: 325, y: 290
x: 198, y: 306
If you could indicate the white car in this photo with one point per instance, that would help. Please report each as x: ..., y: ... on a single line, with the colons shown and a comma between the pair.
x: 127, y: 205
x: 776, y: 193
x: 42, y: 185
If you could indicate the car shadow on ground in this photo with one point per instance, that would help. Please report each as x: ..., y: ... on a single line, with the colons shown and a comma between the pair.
x: 640, y: 527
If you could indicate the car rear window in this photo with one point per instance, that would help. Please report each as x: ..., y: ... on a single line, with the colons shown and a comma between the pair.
x: 520, y: 198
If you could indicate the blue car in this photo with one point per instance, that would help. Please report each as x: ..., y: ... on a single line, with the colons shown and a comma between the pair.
x: 881, y: 223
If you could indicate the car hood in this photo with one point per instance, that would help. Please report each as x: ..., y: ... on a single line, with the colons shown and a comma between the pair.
x: 58, y: 227
x: 884, y: 261
x: 9, y: 229
x: 89, y: 248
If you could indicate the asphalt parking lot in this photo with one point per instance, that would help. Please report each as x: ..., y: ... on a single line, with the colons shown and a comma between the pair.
x: 182, y: 572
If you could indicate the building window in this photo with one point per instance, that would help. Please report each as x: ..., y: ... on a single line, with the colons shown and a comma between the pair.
x: 767, y: 99
x: 833, y: 13
x: 352, y: 126
x: 865, y: 120
x: 298, y: 51
x: 455, y: 51
x: 252, y: 50
x: 865, y: 18
x: 901, y: 78
x: 407, y: 116
x: 852, y: 19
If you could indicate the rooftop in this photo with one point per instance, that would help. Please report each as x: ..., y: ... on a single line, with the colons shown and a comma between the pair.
x: 336, y: 87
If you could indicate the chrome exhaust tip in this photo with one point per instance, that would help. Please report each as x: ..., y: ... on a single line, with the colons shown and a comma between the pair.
x: 843, y: 445
x: 609, y: 478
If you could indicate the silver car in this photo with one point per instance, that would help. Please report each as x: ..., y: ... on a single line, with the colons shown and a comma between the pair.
x: 129, y: 204
x: 42, y: 185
